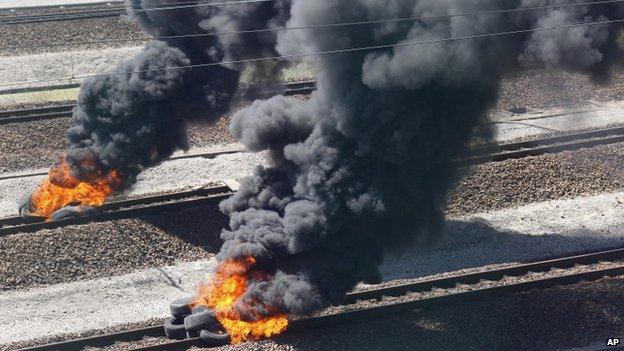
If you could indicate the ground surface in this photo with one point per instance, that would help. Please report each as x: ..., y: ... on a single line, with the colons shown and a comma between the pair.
x: 37, y: 3
x: 499, y: 213
x: 539, y: 320
x: 480, y: 241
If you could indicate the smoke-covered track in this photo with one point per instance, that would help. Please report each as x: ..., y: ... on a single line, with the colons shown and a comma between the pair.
x: 478, y: 155
x: 123, y: 209
x: 454, y: 289
x: 208, y: 154
x: 46, y: 113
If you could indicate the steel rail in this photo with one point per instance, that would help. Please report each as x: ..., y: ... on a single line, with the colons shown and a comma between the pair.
x: 99, y: 10
x: 129, y: 208
x: 596, y: 133
x: 557, y: 144
x: 61, y: 17
x: 34, y: 89
x: 45, y: 113
x: 476, y: 156
x: 304, y: 323
x: 359, y: 315
x: 115, y: 3
x: 491, y: 274
x: 35, y: 114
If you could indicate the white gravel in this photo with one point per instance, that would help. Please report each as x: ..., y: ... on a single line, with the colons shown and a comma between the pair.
x: 56, y: 68
x: 95, y: 304
x: 518, y: 234
x: 540, y: 122
x: 169, y: 176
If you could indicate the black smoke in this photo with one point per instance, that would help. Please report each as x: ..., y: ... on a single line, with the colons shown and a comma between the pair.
x: 131, y: 121
x: 363, y: 168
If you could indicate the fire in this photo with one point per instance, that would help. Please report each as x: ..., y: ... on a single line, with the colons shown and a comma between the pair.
x: 227, y: 286
x: 61, y: 188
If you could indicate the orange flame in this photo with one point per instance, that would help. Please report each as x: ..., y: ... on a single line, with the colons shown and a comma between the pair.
x: 227, y: 286
x: 61, y: 188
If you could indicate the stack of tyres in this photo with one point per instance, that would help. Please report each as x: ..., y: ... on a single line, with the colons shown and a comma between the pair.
x: 189, y: 321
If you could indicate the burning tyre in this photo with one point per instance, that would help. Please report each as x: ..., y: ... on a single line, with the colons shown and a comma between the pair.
x: 25, y: 207
x: 73, y: 210
x: 63, y: 195
x: 203, y: 320
x: 195, y: 321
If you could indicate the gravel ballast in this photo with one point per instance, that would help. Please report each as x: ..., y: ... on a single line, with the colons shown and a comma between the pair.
x: 485, y: 187
x: 492, y: 239
x: 32, y: 144
x: 546, y: 319
x: 545, y: 89
x: 39, y: 143
x: 79, y: 252
x: 537, y: 320
x: 59, y: 36
x: 510, y: 183
x: 103, y: 249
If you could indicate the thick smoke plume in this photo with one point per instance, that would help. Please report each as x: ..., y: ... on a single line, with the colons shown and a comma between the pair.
x: 364, y: 166
x: 128, y: 122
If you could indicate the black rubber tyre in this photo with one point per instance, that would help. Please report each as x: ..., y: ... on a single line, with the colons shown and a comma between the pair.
x: 73, y: 212
x: 174, y: 328
x: 24, y: 207
x: 199, y: 308
x: 214, y: 339
x: 181, y: 307
x: 201, y: 320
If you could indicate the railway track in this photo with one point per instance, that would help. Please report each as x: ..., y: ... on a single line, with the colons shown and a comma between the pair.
x: 479, y: 155
x: 71, y: 16
x: 33, y: 89
x: 565, y: 142
x: 182, y: 200
x: 77, y: 12
x: 207, y: 154
x: 46, y: 113
x: 36, y: 114
x: 450, y: 290
x: 128, y: 208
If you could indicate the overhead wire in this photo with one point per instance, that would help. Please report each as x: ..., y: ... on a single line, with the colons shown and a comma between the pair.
x: 197, y: 4
x: 330, y: 25
x: 187, y: 5
x: 334, y: 51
